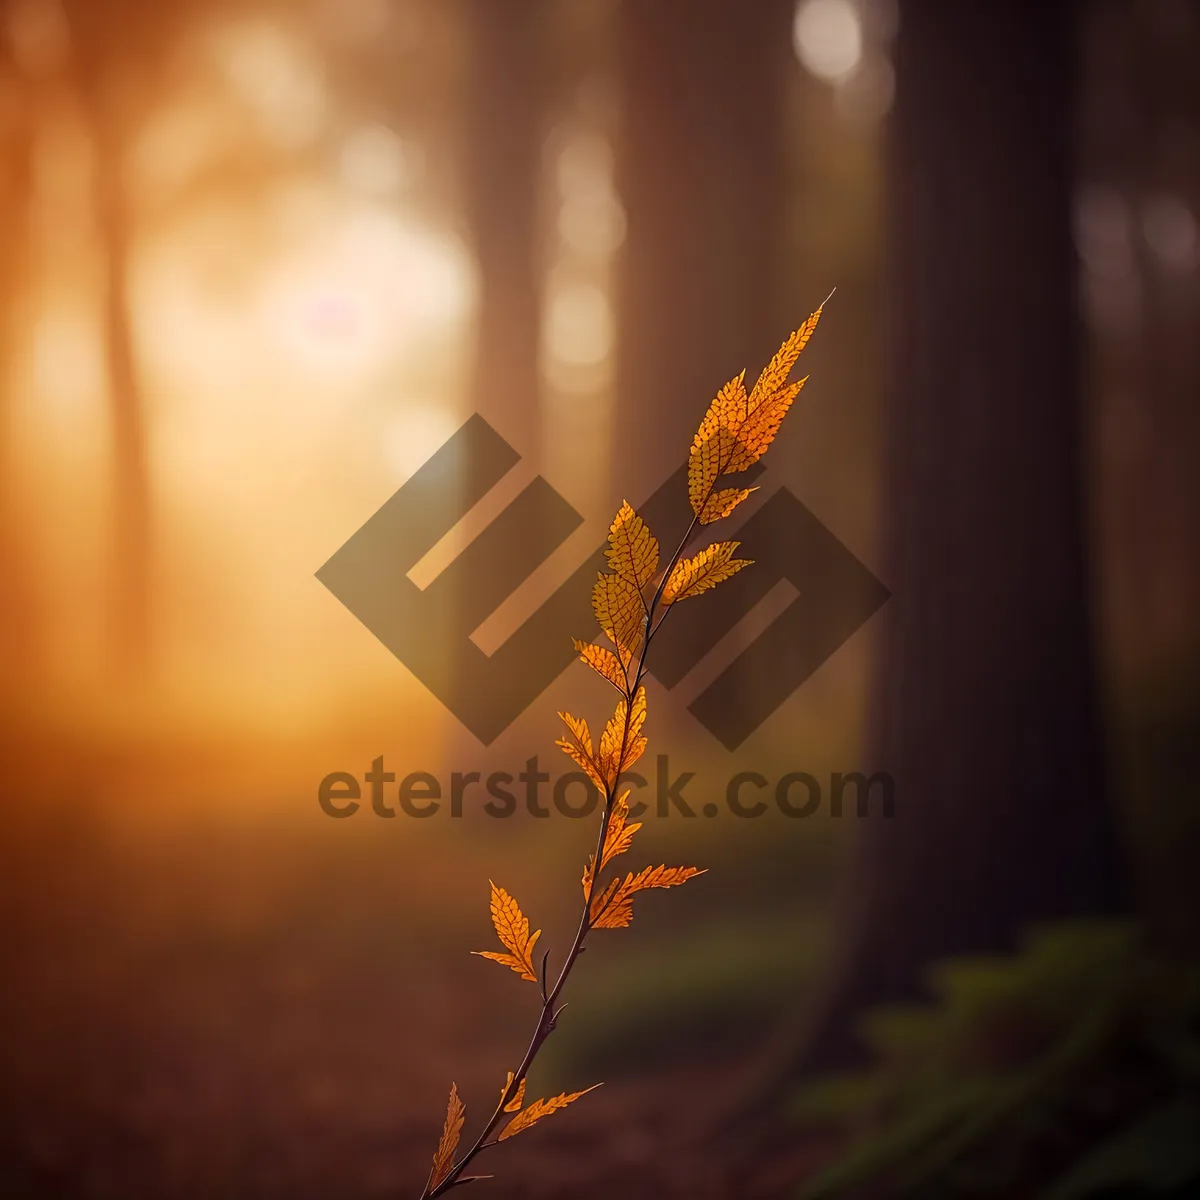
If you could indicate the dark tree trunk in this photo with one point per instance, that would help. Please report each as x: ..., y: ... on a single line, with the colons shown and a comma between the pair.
x: 18, y: 632
x: 986, y: 706
x: 1167, y: 495
x: 501, y: 151
x: 117, y: 53
x: 700, y: 172
x: 131, y: 495
x: 503, y: 160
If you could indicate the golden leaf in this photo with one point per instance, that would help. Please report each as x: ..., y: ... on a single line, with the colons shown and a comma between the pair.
x: 612, y: 911
x: 615, y: 907
x: 659, y: 877
x: 618, y: 837
x: 711, y: 566
x: 514, y: 1105
x: 756, y: 433
x: 604, y: 662
x: 775, y: 373
x: 727, y: 407
x: 601, y: 902
x: 512, y: 928
x: 712, y: 444
x: 616, y: 737
x: 579, y: 732
x: 578, y: 746
x: 539, y: 1109
x: 721, y: 504
x: 738, y: 428
x: 632, y: 550
x: 610, y: 742
x: 620, y: 611
x: 443, y: 1159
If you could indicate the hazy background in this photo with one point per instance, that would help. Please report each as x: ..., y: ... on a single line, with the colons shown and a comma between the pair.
x: 259, y: 260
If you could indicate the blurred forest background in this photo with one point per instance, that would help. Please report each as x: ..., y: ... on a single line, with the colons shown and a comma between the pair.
x: 259, y: 259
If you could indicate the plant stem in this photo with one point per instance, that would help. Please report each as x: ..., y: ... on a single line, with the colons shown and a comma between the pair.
x: 545, y: 1023
x: 546, y: 1017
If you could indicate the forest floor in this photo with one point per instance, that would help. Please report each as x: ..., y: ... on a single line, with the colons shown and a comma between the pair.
x: 198, y: 1016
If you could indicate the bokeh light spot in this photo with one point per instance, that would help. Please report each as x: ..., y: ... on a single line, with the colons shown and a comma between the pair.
x: 827, y: 35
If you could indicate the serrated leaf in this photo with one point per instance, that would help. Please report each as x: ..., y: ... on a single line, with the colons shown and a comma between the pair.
x: 443, y: 1159
x: 713, y: 442
x: 620, y: 612
x: 539, y: 1109
x: 577, y: 746
x: 632, y: 549
x: 721, y: 504
x: 730, y: 405
x: 613, y: 908
x: 518, y: 1097
x: 580, y: 734
x: 604, y: 662
x: 611, y: 911
x: 622, y: 746
x: 507, y: 960
x: 618, y: 837
x: 754, y: 435
x: 660, y: 877
x: 602, y: 900
x: 738, y: 428
x: 711, y: 566
x: 775, y: 373
x: 512, y: 928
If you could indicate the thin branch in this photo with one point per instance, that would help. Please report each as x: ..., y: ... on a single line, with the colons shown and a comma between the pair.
x: 548, y: 1014
x: 547, y: 1017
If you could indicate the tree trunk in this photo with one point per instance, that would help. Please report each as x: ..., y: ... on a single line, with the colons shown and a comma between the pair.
x: 700, y: 172
x: 503, y: 160
x: 986, y: 709
x: 18, y: 628
x: 131, y: 496
x: 104, y: 45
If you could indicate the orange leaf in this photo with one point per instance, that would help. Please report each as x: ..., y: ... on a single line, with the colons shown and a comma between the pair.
x: 604, y: 662
x: 539, y: 1109
x: 621, y: 747
x: 659, y: 877
x: 632, y: 550
x: 620, y: 612
x: 580, y: 733
x: 756, y: 433
x: 618, y: 837
x: 512, y: 928
x: 613, y: 912
x: 738, y: 428
x: 775, y: 373
x: 711, y: 566
x: 712, y: 444
x: 602, y: 901
x: 514, y: 1105
x: 614, y: 908
x: 578, y: 746
x: 508, y: 960
x: 443, y: 1159
x: 721, y: 504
